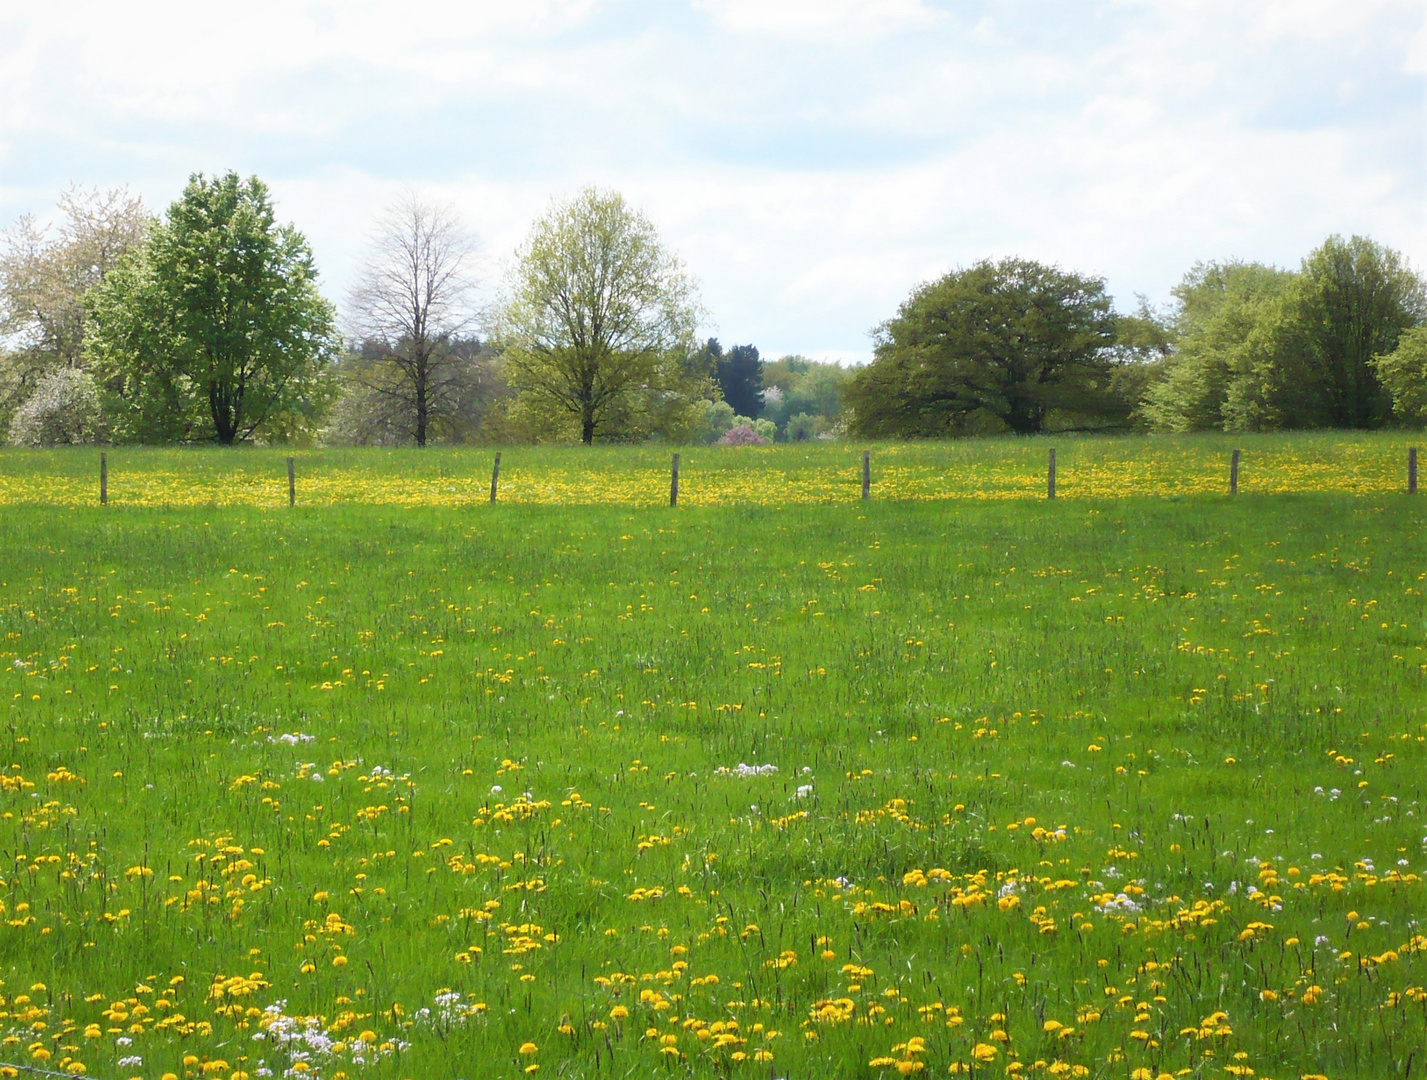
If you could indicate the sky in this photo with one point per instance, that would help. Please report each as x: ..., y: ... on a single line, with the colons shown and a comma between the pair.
x: 812, y: 161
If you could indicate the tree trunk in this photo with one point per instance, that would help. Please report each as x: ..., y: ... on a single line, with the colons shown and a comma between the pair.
x: 1023, y: 420
x: 225, y: 423
x: 587, y: 428
x: 422, y: 407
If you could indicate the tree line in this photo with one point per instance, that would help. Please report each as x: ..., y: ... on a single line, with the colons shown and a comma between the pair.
x: 207, y: 325
x: 1017, y: 346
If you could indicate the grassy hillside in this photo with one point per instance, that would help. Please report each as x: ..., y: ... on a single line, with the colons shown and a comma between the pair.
x: 1088, y: 788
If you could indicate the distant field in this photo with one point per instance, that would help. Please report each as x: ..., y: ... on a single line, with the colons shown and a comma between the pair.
x: 1122, y: 788
x: 1088, y: 468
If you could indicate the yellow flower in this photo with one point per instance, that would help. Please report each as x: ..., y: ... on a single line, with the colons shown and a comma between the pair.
x: 526, y: 1049
x: 984, y: 1052
x: 619, y: 1012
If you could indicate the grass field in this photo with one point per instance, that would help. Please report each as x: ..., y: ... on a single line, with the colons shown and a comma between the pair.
x: 983, y: 469
x: 1102, y: 787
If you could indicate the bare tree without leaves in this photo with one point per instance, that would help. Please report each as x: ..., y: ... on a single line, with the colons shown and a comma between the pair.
x: 413, y: 303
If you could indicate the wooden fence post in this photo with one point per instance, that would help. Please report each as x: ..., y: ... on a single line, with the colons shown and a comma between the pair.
x: 1050, y: 475
x: 495, y: 475
x: 1412, y: 470
x: 1234, y: 473
x: 103, y: 478
x: 674, y: 482
x: 867, y: 474
x: 291, y: 483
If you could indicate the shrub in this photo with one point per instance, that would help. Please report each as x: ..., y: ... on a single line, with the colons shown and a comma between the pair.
x: 743, y: 435
x: 64, y: 410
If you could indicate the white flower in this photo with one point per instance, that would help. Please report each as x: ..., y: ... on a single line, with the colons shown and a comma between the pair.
x: 133, y: 1062
x: 805, y: 790
x: 743, y: 772
x: 496, y: 789
x: 318, y: 778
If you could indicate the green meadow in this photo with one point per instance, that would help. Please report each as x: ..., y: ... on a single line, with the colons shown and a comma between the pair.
x: 1124, y: 787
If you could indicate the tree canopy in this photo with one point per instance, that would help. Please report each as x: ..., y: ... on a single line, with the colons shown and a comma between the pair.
x: 214, y: 328
x: 739, y: 372
x: 999, y: 346
x: 44, y: 277
x: 1259, y: 348
x: 598, y: 326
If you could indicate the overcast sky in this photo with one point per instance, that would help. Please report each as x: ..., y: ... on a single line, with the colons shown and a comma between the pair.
x: 811, y: 160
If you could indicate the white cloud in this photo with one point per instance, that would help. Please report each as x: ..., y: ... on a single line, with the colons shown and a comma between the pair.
x: 821, y: 20
x: 812, y: 161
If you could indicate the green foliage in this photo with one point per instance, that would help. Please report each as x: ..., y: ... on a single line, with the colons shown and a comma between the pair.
x: 1310, y: 362
x: 1261, y: 349
x: 1403, y: 374
x: 1011, y: 345
x: 739, y: 372
x: 598, y: 327
x: 1220, y: 306
x: 718, y: 417
x: 214, y: 328
x: 804, y: 426
x: 467, y: 398
x: 797, y: 386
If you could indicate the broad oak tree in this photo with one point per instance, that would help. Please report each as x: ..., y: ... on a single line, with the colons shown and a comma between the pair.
x: 1000, y: 345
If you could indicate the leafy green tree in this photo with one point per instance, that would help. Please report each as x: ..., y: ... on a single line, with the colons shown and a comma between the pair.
x: 1309, y: 362
x: 1265, y: 349
x: 1012, y: 342
x: 214, y: 328
x: 717, y: 419
x: 804, y: 426
x: 598, y: 326
x: 1403, y: 372
x: 1219, y: 306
